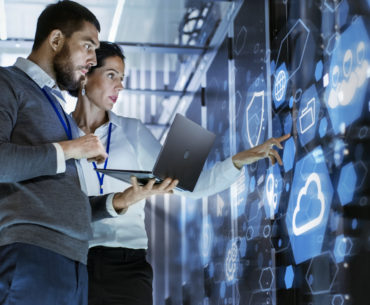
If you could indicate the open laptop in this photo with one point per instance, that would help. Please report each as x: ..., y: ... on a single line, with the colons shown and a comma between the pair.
x: 182, y: 156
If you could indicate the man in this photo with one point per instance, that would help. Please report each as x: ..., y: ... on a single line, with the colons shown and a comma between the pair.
x: 44, y: 216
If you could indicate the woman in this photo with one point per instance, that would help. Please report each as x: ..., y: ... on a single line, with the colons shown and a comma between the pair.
x: 118, y: 270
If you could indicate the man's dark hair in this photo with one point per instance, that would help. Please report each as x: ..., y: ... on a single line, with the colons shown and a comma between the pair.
x: 105, y: 50
x: 67, y: 16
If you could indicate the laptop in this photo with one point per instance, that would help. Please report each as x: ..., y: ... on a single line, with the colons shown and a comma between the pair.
x: 182, y: 156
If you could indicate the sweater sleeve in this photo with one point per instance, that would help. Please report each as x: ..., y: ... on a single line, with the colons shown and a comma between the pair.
x: 99, y: 207
x: 20, y: 162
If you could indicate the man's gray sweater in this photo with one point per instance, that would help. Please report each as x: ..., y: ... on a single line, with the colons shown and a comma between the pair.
x: 38, y: 206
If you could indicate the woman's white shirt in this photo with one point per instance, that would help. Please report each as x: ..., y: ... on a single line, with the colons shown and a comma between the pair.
x: 133, y: 146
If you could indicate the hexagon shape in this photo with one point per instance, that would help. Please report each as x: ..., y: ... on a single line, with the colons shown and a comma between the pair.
x: 361, y: 171
x: 266, y: 231
x: 299, y: 28
x: 337, y: 300
x: 342, y: 248
x: 272, y: 190
x: 250, y: 233
x: 346, y: 92
x: 318, y: 70
x: 289, y: 154
x: 347, y: 183
x: 279, y: 237
x: 309, y: 205
x: 323, y: 127
x: 280, y: 85
x: 255, y: 114
x: 321, y: 273
x: 308, y: 115
x: 288, y: 123
x: 232, y: 262
x: 332, y: 5
x: 241, y: 40
x: 289, y: 277
x: 332, y: 43
x: 339, y: 147
x: 266, y: 279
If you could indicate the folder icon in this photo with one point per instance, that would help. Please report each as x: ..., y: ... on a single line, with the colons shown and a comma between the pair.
x: 307, y: 117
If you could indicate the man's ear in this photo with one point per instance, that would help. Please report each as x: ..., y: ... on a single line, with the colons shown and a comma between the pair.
x: 56, y: 40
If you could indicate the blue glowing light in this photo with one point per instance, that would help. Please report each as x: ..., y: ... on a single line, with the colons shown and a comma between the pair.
x: 232, y: 262
x: 280, y: 85
x: 318, y: 70
x: 289, y: 154
x: 309, y: 205
x: 308, y: 115
x: 342, y: 248
x: 288, y: 123
x: 349, y: 66
x: 323, y: 127
x: 255, y: 115
x: 347, y: 183
x: 289, y: 277
x: 272, y: 191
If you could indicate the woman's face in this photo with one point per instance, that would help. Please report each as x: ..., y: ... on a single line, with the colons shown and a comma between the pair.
x: 104, y: 83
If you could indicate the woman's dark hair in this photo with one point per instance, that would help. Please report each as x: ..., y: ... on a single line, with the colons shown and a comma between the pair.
x: 105, y: 50
x: 67, y: 16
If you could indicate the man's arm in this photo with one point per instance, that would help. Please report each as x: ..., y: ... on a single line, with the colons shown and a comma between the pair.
x: 19, y: 162
x: 22, y: 162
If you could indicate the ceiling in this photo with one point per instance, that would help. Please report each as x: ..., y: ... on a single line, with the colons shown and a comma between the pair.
x: 168, y: 45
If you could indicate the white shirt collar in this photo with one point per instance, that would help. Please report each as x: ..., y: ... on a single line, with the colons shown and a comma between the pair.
x: 113, y: 118
x: 34, y: 71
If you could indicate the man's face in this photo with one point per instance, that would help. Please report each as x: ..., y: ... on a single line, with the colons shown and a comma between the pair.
x: 76, y: 57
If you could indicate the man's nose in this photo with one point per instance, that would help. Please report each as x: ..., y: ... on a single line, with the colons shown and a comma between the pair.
x: 91, y: 61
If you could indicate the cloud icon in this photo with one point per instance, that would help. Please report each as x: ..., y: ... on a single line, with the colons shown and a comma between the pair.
x: 313, y: 178
x: 343, y: 92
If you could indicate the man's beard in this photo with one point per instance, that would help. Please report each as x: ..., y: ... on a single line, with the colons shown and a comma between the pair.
x: 64, y: 70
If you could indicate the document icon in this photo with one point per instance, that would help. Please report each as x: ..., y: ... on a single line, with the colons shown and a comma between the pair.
x: 307, y: 117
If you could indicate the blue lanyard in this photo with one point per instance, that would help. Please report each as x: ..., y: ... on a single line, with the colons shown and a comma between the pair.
x: 65, y: 123
x: 101, y: 176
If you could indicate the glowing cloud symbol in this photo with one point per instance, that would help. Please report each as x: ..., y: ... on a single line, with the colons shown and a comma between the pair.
x: 313, y: 178
x: 343, y: 92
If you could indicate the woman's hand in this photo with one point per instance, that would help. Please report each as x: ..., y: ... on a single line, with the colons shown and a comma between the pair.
x: 135, y: 193
x: 260, y: 152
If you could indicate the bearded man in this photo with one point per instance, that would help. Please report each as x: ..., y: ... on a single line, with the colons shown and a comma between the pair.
x: 44, y: 215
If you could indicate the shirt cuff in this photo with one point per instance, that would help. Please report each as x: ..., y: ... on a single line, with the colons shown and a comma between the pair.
x: 229, y: 169
x: 61, y: 160
x: 110, y: 208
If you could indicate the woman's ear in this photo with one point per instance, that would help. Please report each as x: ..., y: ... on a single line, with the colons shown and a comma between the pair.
x: 56, y: 40
x: 83, y: 86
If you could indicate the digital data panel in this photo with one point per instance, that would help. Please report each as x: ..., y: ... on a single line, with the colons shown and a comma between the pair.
x: 296, y: 233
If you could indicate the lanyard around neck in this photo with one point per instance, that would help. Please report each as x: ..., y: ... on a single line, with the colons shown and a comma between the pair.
x: 101, y: 176
x: 65, y: 123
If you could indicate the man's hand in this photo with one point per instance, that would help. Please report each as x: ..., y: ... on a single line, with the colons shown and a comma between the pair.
x: 135, y: 193
x: 88, y: 146
x: 260, y: 152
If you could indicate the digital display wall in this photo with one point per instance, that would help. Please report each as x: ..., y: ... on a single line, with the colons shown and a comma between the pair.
x: 291, y: 234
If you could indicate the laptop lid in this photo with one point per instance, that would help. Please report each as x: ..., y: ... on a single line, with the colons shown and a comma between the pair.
x: 182, y: 156
x: 184, y: 152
